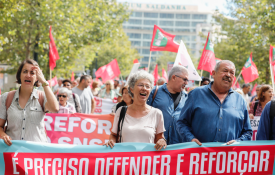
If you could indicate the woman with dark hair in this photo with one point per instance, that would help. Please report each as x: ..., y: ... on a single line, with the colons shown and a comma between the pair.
x: 264, y: 96
x: 24, y: 109
x: 126, y: 98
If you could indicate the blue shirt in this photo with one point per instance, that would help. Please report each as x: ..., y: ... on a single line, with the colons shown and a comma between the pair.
x: 263, y: 132
x: 164, y: 101
x: 205, y: 118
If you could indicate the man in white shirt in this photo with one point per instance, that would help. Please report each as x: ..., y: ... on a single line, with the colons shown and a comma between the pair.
x: 59, y: 85
x: 246, y: 89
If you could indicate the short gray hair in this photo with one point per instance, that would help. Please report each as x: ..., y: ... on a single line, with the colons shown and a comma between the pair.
x: 137, y: 76
x: 223, y: 61
x: 177, y: 70
x: 258, y: 86
x: 65, y: 91
x: 160, y: 80
x: 246, y: 85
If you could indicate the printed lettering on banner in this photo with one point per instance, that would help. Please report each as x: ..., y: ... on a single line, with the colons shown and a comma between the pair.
x: 179, y: 160
x: 104, y: 106
x: 254, y: 125
x: 78, y: 129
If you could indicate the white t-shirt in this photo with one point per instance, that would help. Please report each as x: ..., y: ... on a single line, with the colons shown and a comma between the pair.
x: 85, y: 98
x: 141, y: 129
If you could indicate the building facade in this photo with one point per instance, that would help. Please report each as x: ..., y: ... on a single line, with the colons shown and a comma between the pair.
x: 186, y: 22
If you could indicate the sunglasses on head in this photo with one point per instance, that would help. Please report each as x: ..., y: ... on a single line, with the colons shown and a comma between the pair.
x: 64, y: 96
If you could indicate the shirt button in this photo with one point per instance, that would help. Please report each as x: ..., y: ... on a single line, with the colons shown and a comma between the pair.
x: 23, y: 128
x: 22, y: 138
x: 219, y: 129
x: 220, y: 117
x: 23, y: 119
x: 170, y: 126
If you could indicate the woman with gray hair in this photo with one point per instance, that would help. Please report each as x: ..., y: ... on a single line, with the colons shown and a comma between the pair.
x: 64, y: 106
x: 139, y: 122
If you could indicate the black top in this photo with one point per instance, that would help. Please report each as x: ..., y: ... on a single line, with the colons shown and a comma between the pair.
x: 175, y: 96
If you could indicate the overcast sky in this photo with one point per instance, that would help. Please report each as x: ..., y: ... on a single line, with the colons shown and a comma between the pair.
x: 203, y: 4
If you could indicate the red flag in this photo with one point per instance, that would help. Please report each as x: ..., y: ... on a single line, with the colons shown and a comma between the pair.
x: 237, y: 85
x: 72, y: 78
x: 53, y: 81
x: 163, y: 41
x: 99, y: 71
x: 164, y: 74
x: 135, y: 61
x: 272, y: 60
x: 156, y: 74
x: 253, y: 92
x: 250, y: 71
x: 207, y: 61
x: 53, y: 54
x: 111, y: 71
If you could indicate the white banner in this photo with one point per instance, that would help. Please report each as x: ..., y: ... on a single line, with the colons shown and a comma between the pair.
x: 254, y: 125
x: 104, y: 106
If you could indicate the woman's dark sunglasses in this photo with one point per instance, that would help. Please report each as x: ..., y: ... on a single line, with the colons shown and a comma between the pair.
x: 64, y: 96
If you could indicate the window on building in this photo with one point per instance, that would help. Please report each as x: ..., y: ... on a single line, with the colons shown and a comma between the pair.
x: 135, y: 43
x: 182, y: 23
x: 150, y: 22
x: 166, y: 23
x: 168, y: 29
x: 183, y: 16
x: 145, y: 51
x: 148, y: 28
x: 136, y: 14
x: 193, y: 38
x: 182, y: 37
x: 134, y: 35
x: 135, y: 21
x: 166, y: 15
x: 139, y: 51
x: 199, y: 16
x: 133, y: 27
x: 193, y: 52
x: 194, y: 24
x: 146, y: 43
x: 193, y: 45
x: 145, y: 59
x: 182, y: 30
x: 151, y: 15
x: 147, y: 36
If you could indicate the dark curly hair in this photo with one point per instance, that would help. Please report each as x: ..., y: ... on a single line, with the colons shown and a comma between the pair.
x: 19, y: 71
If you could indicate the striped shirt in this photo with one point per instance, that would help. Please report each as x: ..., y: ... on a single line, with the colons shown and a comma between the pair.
x: 24, y: 124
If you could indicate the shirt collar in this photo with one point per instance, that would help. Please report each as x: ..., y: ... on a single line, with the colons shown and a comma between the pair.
x: 211, y: 83
x: 34, y: 94
x: 165, y: 88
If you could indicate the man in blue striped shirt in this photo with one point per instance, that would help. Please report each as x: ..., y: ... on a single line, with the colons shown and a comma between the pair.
x: 215, y: 113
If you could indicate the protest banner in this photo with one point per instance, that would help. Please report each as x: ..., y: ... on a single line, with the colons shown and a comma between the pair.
x: 78, y: 129
x: 254, y: 125
x: 248, y: 157
x: 104, y: 106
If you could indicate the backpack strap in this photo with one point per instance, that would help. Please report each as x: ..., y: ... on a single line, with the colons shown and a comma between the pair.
x: 271, y: 116
x: 9, y: 99
x: 154, y: 96
x: 255, y: 107
x: 120, y: 123
x: 41, y: 99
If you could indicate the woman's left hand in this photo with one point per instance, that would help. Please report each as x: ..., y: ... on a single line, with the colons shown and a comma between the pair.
x: 161, y: 143
x: 39, y: 75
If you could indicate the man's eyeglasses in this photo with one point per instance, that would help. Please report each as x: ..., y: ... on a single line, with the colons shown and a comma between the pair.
x: 144, y: 86
x: 184, y: 79
x: 64, y: 96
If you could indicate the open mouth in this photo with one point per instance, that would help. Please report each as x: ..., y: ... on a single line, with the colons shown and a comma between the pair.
x: 28, y: 81
x: 143, y: 94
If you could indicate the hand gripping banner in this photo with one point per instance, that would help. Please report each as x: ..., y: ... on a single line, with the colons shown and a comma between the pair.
x: 240, y: 158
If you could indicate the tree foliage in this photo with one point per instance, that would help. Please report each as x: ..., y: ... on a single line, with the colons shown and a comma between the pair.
x: 76, y: 26
x: 249, y: 28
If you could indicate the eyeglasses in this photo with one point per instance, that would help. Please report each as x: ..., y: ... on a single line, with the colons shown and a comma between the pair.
x: 64, y: 96
x: 184, y: 79
x: 144, y: 86
x: 107, y: 84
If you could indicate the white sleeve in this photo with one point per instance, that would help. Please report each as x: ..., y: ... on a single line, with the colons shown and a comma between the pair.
x: 3, y: 112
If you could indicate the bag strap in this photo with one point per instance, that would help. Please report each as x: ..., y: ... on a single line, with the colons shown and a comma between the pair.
x: 120, y: 123
x: 177, y: 100
x: 154, y: 96
x: 255, y: 107
x: 9, y: 99
x: 271, y: 116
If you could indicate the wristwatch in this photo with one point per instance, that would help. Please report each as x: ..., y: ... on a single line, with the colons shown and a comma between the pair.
x: 45, y: 84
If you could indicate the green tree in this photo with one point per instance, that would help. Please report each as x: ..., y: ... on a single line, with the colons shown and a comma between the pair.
x: 250, y: 28
x: 76, y: 24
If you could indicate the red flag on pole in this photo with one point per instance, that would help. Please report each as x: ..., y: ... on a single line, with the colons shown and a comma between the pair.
x: 111, y: 71
x: 53, y: 81
x: 207, y: 61
x: 53, y: 54
x: 164, y: 74
x: 99, y: 71
x: 163, y: 41
x: 72, y: 77
x: 272, y: 62
x: 135, y: 61
x: 156, y: 74
x: 250, y: 71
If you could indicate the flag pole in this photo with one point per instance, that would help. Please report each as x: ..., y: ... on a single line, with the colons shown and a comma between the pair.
x: 237, y: 78
x: 149, y: 62
x: 201, y: 76
x: 272, y: 76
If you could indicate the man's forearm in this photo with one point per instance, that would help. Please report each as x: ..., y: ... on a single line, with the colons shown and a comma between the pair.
x: 93, y: 106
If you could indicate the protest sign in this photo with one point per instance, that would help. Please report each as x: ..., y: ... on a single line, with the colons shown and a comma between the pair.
x: 104, y: 106
x: 248, y: 158
x: 78, y: 129
x: 254, y: 125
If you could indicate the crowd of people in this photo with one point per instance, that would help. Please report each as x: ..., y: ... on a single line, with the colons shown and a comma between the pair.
x: 164, y: 114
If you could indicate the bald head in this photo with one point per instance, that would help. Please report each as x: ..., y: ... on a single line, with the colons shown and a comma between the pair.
x: 223, y: 62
